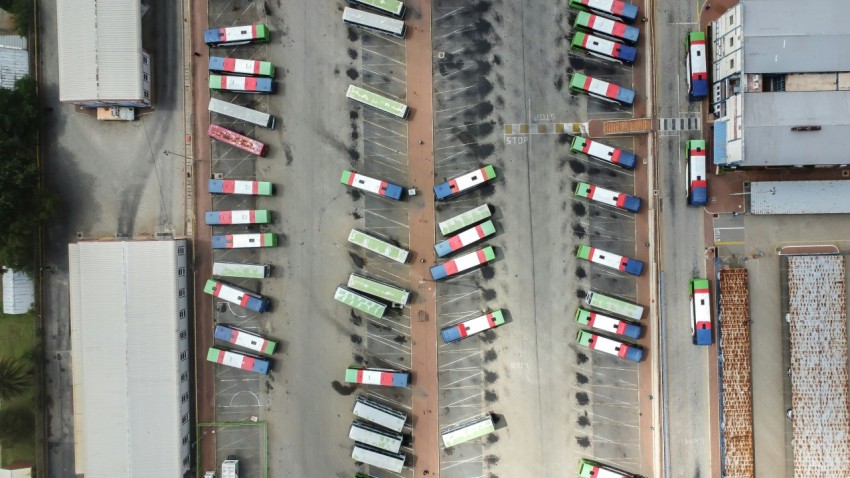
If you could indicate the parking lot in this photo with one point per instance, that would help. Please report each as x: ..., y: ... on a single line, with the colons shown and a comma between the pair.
x: 493, y: 65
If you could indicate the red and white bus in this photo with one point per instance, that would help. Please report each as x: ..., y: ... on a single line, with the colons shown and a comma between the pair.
x: 243, y: 338
x: 241, y: 84
x: 235, y: 295
x: 249, y: 145
x: 474, y: 326
x: 240, y: 360
x: 607, y: 196
x: 597, y: 150
x: 249, y: 216
x: 235, y: 186
x: 464, y: 182
x: 371, y: 185
x: 377, y: 376
x: 602, y: 48
x: 608, y: 259
x: 465, y: 238
x: 610, y: 347
x: 608, y: 324
x: 463, y: 263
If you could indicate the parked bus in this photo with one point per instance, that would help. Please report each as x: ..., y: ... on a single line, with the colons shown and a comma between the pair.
x: 467, y: 430
x: 463, y: 263
x: 377, y: 376
x: 697, y: 183
x: 244, y: 271
x: 389, y: 7
x: 608, y: 324
x: 249, y: 145
x: 241, y: 241
x: 245, y: 339
x: 372, y: 22
x: 616, y: 306
x: 696, y: 64
x: 376, y: 457
x: 609, y: 8
x: 465, y: 238
x: 247, y: 115
x: 235, y: 295
x: 611, y: 260
x: 465, y: 219
x: 360, y: 302
x: 602, y: 89
x: 377, y: 101
x: 247, y: 216
x: 606, y: 196
x: 700, y: 312
x: 609, y: 346
x: 597, y: 150
x: 605, y: 27
x: 378, y: 246
x: 379, y: 413
x: 460, y: 331
x: 236, y: 66
x: 396, y: 296
x: 241, y: 360
x: 601, y: 48
x: 374, y: 436
x: 236, y: 186
x: 241, y: 84
x: 371, y: 185
x: 591, y: 469
x: 464, y: 183
x: 231, y: 36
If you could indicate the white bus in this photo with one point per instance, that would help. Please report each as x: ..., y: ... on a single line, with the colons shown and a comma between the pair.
x: 373, y: 22
x: 467, y: 430
x: 379, y: 413
x: 247, y: 115
x: 374, y: 436
x: 392, y: 7
x: 377, y: 457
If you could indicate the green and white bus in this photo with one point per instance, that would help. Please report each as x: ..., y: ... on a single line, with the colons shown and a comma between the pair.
x: 465, y: 219
x: 380, y: 102
x: 376, y: 457
x: 375, y: 436
x: 390, y: 7
x: 244, y: 271
x: 617, y: 306
x: 360, y: 302
x: 396, y: 296
x: 467, y: 430
x: 378, y: 246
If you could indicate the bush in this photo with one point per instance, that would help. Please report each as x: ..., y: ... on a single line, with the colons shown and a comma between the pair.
x: 16, y: 425
x: 21, y: 11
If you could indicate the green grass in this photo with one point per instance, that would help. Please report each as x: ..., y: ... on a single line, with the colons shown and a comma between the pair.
x: 17, y: 339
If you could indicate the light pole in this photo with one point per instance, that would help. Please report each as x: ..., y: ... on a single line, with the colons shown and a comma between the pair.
x: 168, y: 153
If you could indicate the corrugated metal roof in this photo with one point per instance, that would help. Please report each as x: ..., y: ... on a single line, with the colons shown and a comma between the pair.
x: 100, y: 50
x: 800, y: 197
x: 14, y: 64
x: 18, y: 292
x: 770, y: 117
x: 719, y: 143
x: 125, y: 351
x: 781, y: 37
x: 13, y: 41
x: 817, y: 319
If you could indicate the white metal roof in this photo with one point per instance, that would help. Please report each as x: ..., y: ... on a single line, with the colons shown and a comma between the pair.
x: 18, y: 292
x: 125, y: 356
x: 781, y: 37
x: 817, y: 319
x: 14, y: 61
x: 100, y: 50
x: 800, y: 197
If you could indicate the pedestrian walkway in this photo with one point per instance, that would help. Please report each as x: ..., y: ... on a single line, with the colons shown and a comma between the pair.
x: 423, y: 310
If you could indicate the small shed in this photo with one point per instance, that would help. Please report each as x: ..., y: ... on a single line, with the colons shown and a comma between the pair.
x: 18, y: 292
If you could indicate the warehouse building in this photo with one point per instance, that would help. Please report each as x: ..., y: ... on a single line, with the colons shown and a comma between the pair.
x: 781, y: 84
x: 130, y: 358
x: 101, y: 59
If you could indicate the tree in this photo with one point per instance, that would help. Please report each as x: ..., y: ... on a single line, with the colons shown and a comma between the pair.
x: 15, y: 377
x: 16, y: 425
x: 21, y: 11
x: 23, y: 206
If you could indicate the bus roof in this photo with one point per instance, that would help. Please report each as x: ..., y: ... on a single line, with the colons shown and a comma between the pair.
x: 695, y: 36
